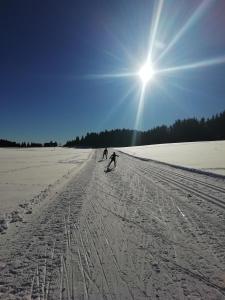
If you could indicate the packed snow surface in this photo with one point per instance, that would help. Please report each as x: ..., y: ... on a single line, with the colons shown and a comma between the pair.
x: 206, y: 156
x: 142, y: 230
x: 24, y: 173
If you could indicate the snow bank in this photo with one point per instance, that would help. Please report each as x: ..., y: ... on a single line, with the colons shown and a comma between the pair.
x: 205, y: 156
x: 25, y: 173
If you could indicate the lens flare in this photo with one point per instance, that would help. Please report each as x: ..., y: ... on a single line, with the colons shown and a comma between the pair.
x: 195, y: 65
x: 146, y: 73
x: 198, y: 13
x: 157, y: 56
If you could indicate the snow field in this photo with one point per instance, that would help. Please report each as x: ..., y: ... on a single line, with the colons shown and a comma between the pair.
x: 205, y: 156
x: 29, y: 174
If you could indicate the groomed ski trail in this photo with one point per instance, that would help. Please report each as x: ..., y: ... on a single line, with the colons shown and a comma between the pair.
x: 141, y: 231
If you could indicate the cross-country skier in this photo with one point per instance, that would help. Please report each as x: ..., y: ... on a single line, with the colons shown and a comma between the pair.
x: 113, y: 159
x: 105, y: 153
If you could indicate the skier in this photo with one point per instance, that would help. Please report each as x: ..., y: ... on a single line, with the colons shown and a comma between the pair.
x: 113, y: 159
x: 105, y: 153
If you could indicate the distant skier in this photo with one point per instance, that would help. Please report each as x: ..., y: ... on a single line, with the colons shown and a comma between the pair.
x: 105, y: 153
x: 113, y: 159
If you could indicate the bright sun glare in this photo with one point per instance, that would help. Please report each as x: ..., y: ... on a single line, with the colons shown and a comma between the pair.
x: 146, y: 73
x: 154, y: 55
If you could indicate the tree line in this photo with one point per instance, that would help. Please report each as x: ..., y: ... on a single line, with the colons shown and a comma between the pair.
x: 186, y: 130
x: 6, y: 143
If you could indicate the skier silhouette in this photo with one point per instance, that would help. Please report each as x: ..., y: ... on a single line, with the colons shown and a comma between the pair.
x: 105, y: 153
x: 113, y: 159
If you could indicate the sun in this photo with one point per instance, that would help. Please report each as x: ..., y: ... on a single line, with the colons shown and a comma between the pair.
x: 146, y: 73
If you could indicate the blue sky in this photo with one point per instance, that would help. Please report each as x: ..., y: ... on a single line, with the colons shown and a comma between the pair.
x: 49, y: 49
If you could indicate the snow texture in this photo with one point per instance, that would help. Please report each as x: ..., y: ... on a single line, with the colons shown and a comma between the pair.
x: 205, y: 156
x: 28, y: 175
x: 140, y: 231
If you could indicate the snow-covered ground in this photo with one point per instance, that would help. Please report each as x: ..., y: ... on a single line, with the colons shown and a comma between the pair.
x: 25, y: 173
x: 143, y: 230
x: 206, y: 156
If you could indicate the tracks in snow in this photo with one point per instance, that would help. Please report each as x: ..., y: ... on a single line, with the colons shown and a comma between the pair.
x: 142, y: 231
x: 191, y: 185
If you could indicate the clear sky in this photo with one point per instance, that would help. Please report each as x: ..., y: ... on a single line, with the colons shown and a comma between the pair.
x: 51, y: 51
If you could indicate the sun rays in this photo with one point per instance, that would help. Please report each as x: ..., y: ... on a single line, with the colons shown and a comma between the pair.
x: 198, y: 13
x: 152, y: 67
x: 195, y: 65
x: 146, y: 73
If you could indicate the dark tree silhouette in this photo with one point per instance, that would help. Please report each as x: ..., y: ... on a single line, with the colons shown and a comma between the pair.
x: 187, y: 130
x: 51, y: 144
x: 6, y: 143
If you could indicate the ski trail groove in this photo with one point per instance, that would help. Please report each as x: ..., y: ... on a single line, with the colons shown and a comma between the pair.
x: 141, y: 231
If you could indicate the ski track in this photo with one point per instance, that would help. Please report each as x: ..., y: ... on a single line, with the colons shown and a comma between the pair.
x: 141, y: 231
